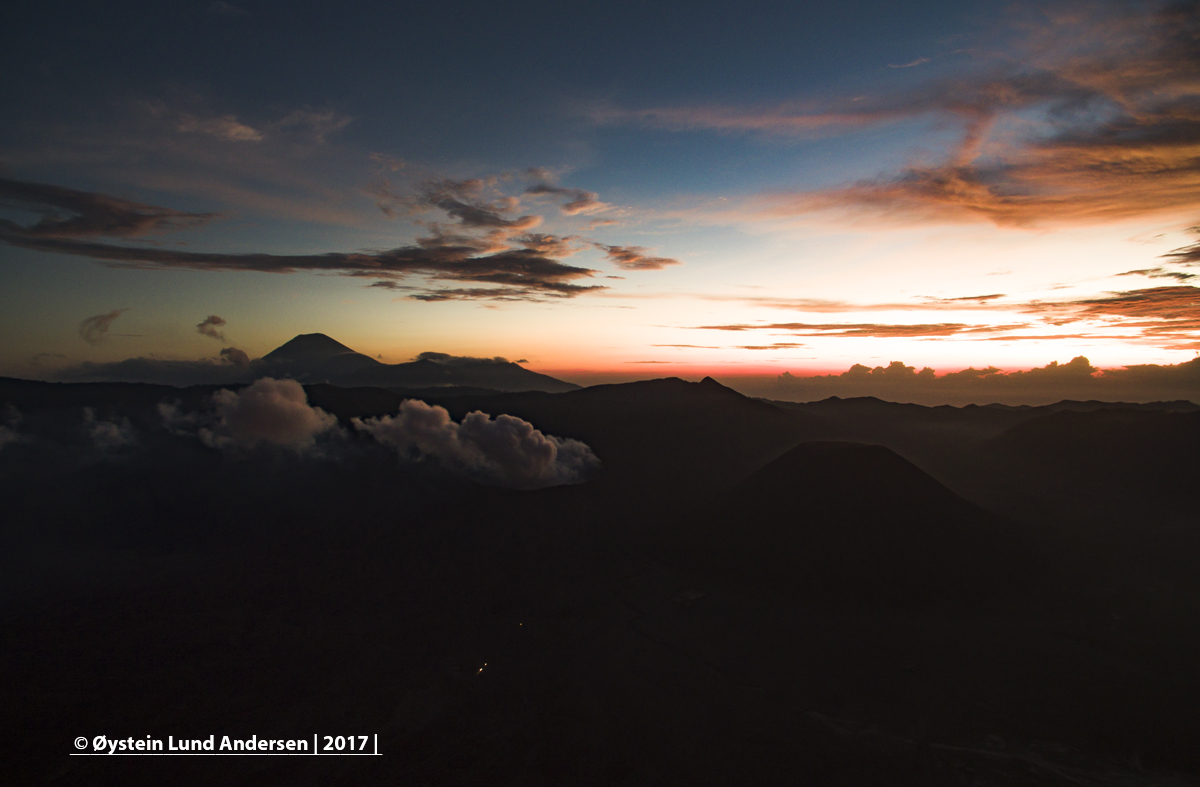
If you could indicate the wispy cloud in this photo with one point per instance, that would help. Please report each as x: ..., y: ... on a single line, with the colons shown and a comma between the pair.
x: 910, y: 64
x: 211, y: 326
x: 1160, y: 273
x: 518, y: 271
x: 1187, y: 255
x: 94, y: 329
x: 859, y: 329
x: 1103, y: 119
x: 67, y: 213
x: 1165, y: 303
x: 577, y: 200
x: 279, y: 163
x: 773, y: 346
x: 784, y: 119
x: 516, y: 268
x: 225, y: 127
x: 1168, y: 316
x: 635, y: 258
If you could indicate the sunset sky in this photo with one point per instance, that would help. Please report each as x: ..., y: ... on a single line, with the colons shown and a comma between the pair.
x: 603, y: 191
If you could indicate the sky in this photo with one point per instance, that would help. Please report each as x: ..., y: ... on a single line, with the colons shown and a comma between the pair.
x: 604, y: 192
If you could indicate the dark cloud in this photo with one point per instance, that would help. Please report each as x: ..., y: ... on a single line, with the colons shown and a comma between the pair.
x: 635, y: 258
x: 1166, y: 314
x: 1160, y: 273
x: 460, y: 199
x: 578, y: 200
x: 852, y: 329
x: 974, y: 298
x: 66, y: 213
x: 472, y: 293
x: 1187, y: 255
x: 1176, y: 303
x: 775, y: 346
x: 93, y: 329
x: 210, y: 327
x: 226, y: 370
x: 1078, y: 379
x: 226, y: 127
x: 526, y: 272
x: 549, y: 245
x: 1169, y: 316
x: 236, y: 357
x: 458, y: 360
x: 507, y: 451
x: 474, y: 202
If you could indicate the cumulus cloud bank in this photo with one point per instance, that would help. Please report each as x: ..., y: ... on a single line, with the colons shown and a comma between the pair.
x: 108, y: 435
x: 1078, y: 379
x: 11, y: 418
x: 506, y: 451
x: 270, y: 412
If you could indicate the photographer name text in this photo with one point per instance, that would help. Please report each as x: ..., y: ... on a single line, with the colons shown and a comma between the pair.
x: 149, y: 745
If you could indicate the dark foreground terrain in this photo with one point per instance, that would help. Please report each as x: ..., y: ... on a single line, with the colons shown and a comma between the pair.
x: 842, y: 592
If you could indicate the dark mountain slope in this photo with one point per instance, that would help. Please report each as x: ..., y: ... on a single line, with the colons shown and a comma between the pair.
x: 136, y: 401
x: 987, y: 452
x: 669, y: 433
x: 858, y: 523
x: 1107, y: 448
x: 1128, y: 475
x: 868, y: 418
x: 476, y: 372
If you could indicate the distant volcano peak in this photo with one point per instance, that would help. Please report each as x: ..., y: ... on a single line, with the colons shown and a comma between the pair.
x: 309, y: 346
x: 316, y: 358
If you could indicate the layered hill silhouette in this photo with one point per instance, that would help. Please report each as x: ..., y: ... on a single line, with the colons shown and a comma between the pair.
x: 852, y: 522
x: 316, y: 358
x: 743, y: 592
x: 666, y: 434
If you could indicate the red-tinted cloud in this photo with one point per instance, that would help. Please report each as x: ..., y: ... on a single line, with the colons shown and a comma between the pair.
x: 1118, y: 135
